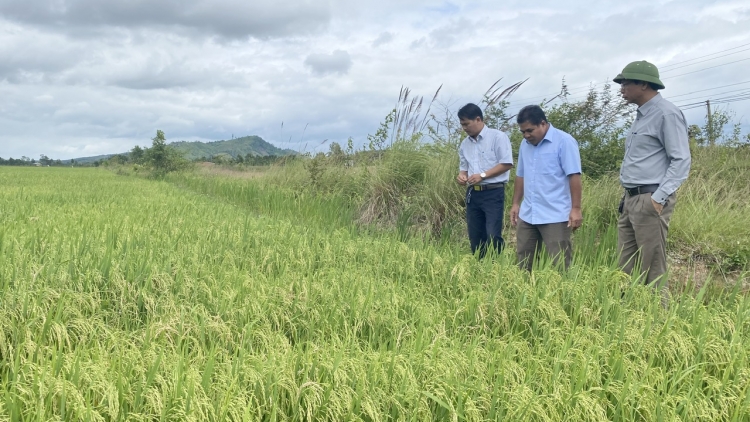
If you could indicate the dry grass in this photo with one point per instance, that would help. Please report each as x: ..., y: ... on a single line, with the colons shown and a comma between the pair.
x: 211, y: 169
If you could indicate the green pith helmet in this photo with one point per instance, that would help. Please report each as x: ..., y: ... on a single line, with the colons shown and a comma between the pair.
x: 640, y: 71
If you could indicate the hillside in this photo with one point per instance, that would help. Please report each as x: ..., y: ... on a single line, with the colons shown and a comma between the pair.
x: 254, y: 145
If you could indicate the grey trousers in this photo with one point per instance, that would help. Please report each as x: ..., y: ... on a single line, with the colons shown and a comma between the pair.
x: 642, y: 238
x: 555, y: 237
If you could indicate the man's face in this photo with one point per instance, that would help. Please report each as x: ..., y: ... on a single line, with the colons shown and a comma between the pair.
x: 472, y: 127
x: 630, y: 90
x: 533, y: 133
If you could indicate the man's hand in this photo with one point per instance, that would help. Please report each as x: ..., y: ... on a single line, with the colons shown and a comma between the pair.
x: 657, y: 206
x: 474, y: 179
x: 575, y: 219
x: 461, y: 179
x: 514, y: 214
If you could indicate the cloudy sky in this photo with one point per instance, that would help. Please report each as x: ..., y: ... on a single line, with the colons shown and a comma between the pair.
x: 88, y: 77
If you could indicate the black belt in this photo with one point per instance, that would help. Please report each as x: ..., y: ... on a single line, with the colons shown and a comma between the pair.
x: 641, y: 189
x: 488, y: 186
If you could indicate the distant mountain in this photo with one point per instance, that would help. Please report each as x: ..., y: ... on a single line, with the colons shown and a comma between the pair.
x: 89, y: 160
x: 254, y: 145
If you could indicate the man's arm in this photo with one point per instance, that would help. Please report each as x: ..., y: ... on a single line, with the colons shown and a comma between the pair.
x: 517, y: 197
x: 497, y: 170
x: 576, y: 217
x: 676, y: 145
x: 463, y: 167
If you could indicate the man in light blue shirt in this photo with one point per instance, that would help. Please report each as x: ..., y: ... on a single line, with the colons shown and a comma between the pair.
x: 548, y: 180
x: 484, y: 160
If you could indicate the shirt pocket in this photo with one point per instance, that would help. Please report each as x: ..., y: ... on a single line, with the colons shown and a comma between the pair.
x: 549, y: 163
x: 486, y: 160
x: 643, y: 145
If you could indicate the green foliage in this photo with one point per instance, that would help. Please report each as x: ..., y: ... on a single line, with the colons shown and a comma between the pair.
x: 162, y: 158
x: 315, y: 168
x: 714, y: 130
x: 137, y: 155
x: 44, y: 161
x: 335, y: 154
x: 382, y: 137
x: 118, y: 159
x: 157, y: 155
x: 598, y: 123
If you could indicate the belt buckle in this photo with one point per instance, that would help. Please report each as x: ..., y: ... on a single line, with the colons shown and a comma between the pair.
x: 477, y: 187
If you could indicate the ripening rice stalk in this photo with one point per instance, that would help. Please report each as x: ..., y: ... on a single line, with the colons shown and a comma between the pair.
x: 212, y: 300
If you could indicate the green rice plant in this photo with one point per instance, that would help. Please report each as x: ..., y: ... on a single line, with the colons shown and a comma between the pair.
x: 207, y: 298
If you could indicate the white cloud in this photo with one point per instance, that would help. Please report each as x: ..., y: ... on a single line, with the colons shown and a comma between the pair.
x: 83, y: 76
x: 227, y: 18
x: 338, y: 62
x: 383, y: 38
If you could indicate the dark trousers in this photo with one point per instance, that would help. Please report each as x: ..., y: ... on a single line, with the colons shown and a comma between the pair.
x: 555, y: 237
x: 484, y: 219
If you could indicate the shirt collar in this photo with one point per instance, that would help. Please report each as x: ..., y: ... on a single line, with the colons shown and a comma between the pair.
x: 551, y: 135
x: 650, y: 104
x: 480, y: 136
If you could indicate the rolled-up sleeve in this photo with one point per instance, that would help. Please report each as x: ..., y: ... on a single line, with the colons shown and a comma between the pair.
x: 675, y: 137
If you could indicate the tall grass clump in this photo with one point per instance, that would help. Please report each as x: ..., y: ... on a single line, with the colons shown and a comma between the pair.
x: 714, y: 219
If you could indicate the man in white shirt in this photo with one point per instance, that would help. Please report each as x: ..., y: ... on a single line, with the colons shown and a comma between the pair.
x: 484, y: 160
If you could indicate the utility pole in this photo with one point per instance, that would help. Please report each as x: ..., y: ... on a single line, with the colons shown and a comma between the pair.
x: 710, y: 124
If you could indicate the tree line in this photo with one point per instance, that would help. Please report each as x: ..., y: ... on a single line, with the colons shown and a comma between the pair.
x: 43, y: 161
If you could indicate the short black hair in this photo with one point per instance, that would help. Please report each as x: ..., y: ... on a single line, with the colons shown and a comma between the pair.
x: 532, y: 114
x: 654, y: 86
x: 470, y: 111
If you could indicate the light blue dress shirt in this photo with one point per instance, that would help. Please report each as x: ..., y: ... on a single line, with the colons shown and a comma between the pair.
x: 657, y: 150
x: 490, y: 148
x: 545, y: 169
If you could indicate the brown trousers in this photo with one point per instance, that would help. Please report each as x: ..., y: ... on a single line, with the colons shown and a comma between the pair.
x: 555, y: 237
x: 642, y: 238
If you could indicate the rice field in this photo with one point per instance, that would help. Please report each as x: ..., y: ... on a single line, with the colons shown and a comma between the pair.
x: 123, y: 299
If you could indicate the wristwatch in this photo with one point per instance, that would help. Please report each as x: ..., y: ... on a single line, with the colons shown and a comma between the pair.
x: 483, y: 175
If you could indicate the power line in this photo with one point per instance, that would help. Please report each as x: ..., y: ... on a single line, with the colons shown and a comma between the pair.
x: 702, y: 61
x: 707, y: 55
x: 725, y: 100
x: 712, y: 67
x: 719, y: 93
x: 708, y: 89
x: 587, y: 88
